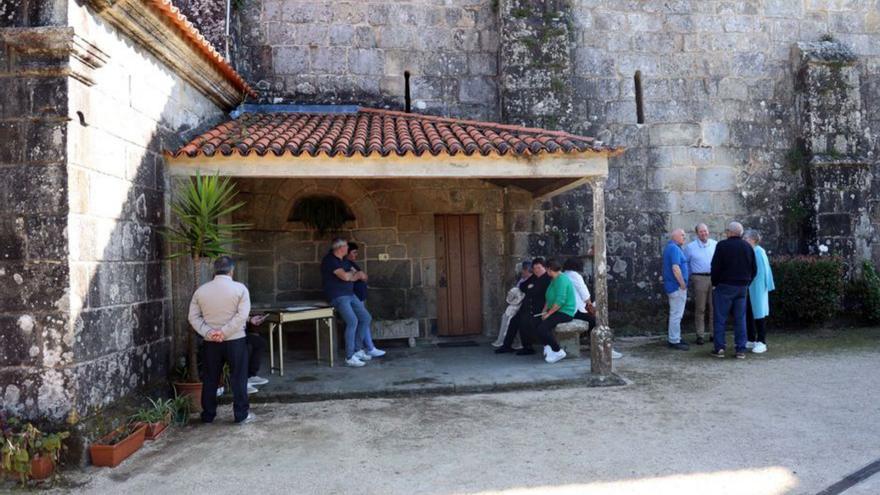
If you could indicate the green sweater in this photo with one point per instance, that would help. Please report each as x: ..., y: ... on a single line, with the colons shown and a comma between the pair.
x: 561, y: 292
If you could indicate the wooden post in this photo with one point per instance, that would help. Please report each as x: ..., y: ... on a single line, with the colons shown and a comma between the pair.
x: 600, y: 339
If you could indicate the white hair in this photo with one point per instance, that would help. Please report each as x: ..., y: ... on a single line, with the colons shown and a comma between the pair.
x: 338, y: 243
x: 735, y: 228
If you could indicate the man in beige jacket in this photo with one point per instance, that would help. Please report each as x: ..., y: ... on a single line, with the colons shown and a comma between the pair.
x: 218, y: 312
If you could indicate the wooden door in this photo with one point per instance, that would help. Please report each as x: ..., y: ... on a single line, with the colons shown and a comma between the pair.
x: 459, y: 290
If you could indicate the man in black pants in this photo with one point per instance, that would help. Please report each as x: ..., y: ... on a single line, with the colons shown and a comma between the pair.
x: 529, y: 315
x: 256, y: 348
x: 218, y: 312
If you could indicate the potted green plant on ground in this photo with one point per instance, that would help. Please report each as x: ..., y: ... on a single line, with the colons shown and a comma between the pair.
x: 26, y: 452
x: 116, y: 446
x: 156, y: 417
x: 180, y: 409
x: 199, y: 206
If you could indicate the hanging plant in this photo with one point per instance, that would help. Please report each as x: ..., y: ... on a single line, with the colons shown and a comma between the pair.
x: 323, y: 213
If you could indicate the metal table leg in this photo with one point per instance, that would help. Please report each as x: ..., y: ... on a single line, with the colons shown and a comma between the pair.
x: 317, y: 342
x: 331, y: 324
x: 280, y: 347
x: 271, y: 349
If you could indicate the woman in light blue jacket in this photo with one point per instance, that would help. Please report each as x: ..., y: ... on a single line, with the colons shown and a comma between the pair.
x: 759, y: 296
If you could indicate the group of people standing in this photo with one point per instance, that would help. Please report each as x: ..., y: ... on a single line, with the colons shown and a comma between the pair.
x: 728, y: 278
x: 546, y: 295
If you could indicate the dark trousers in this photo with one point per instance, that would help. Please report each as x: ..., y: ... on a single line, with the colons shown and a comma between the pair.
x: 728, y: 299
x: 234, y: 352
x: 521, y: 323
x: 545, y: 329
x: 756, y: 329
x: 591, y: 320
x: 256, y: 348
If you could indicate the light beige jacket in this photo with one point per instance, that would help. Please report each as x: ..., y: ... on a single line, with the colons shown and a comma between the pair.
x: 222, y: 304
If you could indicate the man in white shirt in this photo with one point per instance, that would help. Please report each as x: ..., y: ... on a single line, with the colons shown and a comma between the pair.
x: 218, y: 312
x: 585, y: 311
x: 699, y: 254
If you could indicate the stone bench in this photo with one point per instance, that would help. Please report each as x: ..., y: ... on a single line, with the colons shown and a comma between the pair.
x: 569, y: 336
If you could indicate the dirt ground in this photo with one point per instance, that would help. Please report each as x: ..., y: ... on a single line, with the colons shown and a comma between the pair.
x: 792, y: 421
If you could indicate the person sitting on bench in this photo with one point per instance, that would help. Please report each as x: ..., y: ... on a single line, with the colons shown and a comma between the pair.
x: 558, y: 308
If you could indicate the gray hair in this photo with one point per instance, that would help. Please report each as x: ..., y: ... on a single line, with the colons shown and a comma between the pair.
x: 223, y: 265
x: 735, y: 228
x: 753, y: 235
x: 701, y: 224
x: 338, y: 243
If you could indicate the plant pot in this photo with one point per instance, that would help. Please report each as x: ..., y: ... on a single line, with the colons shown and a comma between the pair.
x: 156, y: 429
x: 112, y: 455
x: 194, y: 391
x: 41, y: 467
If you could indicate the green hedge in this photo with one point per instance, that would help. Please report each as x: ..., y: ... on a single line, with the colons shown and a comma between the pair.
x: 808, y: 289
x: 864, y: 293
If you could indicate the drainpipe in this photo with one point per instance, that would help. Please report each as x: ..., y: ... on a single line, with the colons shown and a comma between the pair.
x: 228, y: 10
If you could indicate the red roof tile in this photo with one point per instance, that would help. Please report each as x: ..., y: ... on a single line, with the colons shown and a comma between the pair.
x: 191, y: 33
x: 381, y: 132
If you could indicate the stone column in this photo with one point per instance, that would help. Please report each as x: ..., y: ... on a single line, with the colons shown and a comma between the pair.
x: 600, y: 339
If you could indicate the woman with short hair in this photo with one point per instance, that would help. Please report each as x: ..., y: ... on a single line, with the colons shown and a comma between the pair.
x: 558, y: 308
x: 758, y: 297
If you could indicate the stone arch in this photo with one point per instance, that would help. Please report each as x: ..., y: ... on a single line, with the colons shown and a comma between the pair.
x: 365, y: 210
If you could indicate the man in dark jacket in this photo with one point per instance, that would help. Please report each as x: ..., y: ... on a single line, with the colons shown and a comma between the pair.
x: 528, y: 317
x: 733, y: 268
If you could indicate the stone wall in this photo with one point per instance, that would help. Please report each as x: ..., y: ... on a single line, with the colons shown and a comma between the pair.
x: 84, y: 305
x: 393, y: 218
x: 357, y: 52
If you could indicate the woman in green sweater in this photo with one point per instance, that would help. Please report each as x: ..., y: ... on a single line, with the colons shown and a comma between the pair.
x: 559, y: 308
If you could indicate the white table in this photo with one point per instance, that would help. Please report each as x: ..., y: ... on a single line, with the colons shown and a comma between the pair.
x: 277, y: 317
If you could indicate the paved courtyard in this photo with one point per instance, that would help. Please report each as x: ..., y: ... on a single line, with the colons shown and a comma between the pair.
x: 793, y: 421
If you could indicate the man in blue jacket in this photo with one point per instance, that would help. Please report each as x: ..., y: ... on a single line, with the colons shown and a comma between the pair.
x: 733, y: 269
x: 675, y: 275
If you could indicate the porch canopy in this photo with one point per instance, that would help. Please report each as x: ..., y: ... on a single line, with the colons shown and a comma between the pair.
x: 350, y: 142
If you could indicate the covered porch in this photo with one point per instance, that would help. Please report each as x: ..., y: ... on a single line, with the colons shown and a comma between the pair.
x: 442, y: 211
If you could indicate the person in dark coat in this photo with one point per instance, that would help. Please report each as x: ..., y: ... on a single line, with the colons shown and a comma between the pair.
x: 528, y: 317
x: 733, y: 269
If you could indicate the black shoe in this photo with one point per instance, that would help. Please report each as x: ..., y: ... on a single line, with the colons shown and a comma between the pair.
x: 681, y: 346
x: 525, y: 351
x: 700, y: 341
x: 719, y: 353
x: 503, y: 350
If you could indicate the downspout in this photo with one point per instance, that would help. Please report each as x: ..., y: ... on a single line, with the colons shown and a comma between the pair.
x: 228, y: 11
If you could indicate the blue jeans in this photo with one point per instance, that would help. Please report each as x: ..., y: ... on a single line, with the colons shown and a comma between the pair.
x: 357, y: 321
x: 726, y: 298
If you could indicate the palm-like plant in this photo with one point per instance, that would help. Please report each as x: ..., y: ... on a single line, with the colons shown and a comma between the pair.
x: 199, y: 206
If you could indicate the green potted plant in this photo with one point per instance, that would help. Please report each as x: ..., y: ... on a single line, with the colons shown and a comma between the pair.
x: 156, y: 417
x: 26, y: 452
x: 118, y: 445
x: 180, y: 409
x: 199, y: 205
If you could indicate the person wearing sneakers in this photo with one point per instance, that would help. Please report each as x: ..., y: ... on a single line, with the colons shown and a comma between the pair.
x: 560, y: 307
x: 366, y: 350
x: 758, y: 298
x: 514, y: 300
x: 699, y: 254
x: 256, y: 348
x: 528, y: 316
x: 733, y: 269
x: 675, y: 275
x: 338, y: 277
x: 218, y: 312
x: 573, y: 267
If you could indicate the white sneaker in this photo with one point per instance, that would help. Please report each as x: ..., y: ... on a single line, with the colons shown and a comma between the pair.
x: 615, y: 354
x: 251, y: 417
x: 257, y: 380
x: 759, y: 348
x: 363, y: 356
x: 546, y: 350
x: 376, y: 352
x: 553, y: 357
x: 252, y: 389
x: 354, y: 362
x: 750, y: 345
x: 220, y: 391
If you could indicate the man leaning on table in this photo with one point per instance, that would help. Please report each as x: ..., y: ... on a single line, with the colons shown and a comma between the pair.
x: 218, y: 312
x: 338, y: 276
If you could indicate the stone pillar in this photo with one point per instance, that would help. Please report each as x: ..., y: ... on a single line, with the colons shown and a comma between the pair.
x: 835, y: 168
x: 600, y: 339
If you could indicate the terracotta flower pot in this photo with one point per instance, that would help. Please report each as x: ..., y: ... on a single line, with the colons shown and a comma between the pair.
x: 194, y: 391
x: 112, y: 455
x: 41, y: 467
x: 156, y: 429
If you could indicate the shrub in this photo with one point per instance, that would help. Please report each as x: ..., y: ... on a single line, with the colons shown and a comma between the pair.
x: 865, y: 293
x: 808, y: 289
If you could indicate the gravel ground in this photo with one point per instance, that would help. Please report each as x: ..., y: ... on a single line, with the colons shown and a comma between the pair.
x: 792, y: 421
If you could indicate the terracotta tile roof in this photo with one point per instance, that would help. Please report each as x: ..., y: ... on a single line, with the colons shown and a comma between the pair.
x: 370, y: 131
x: 192, y: 34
